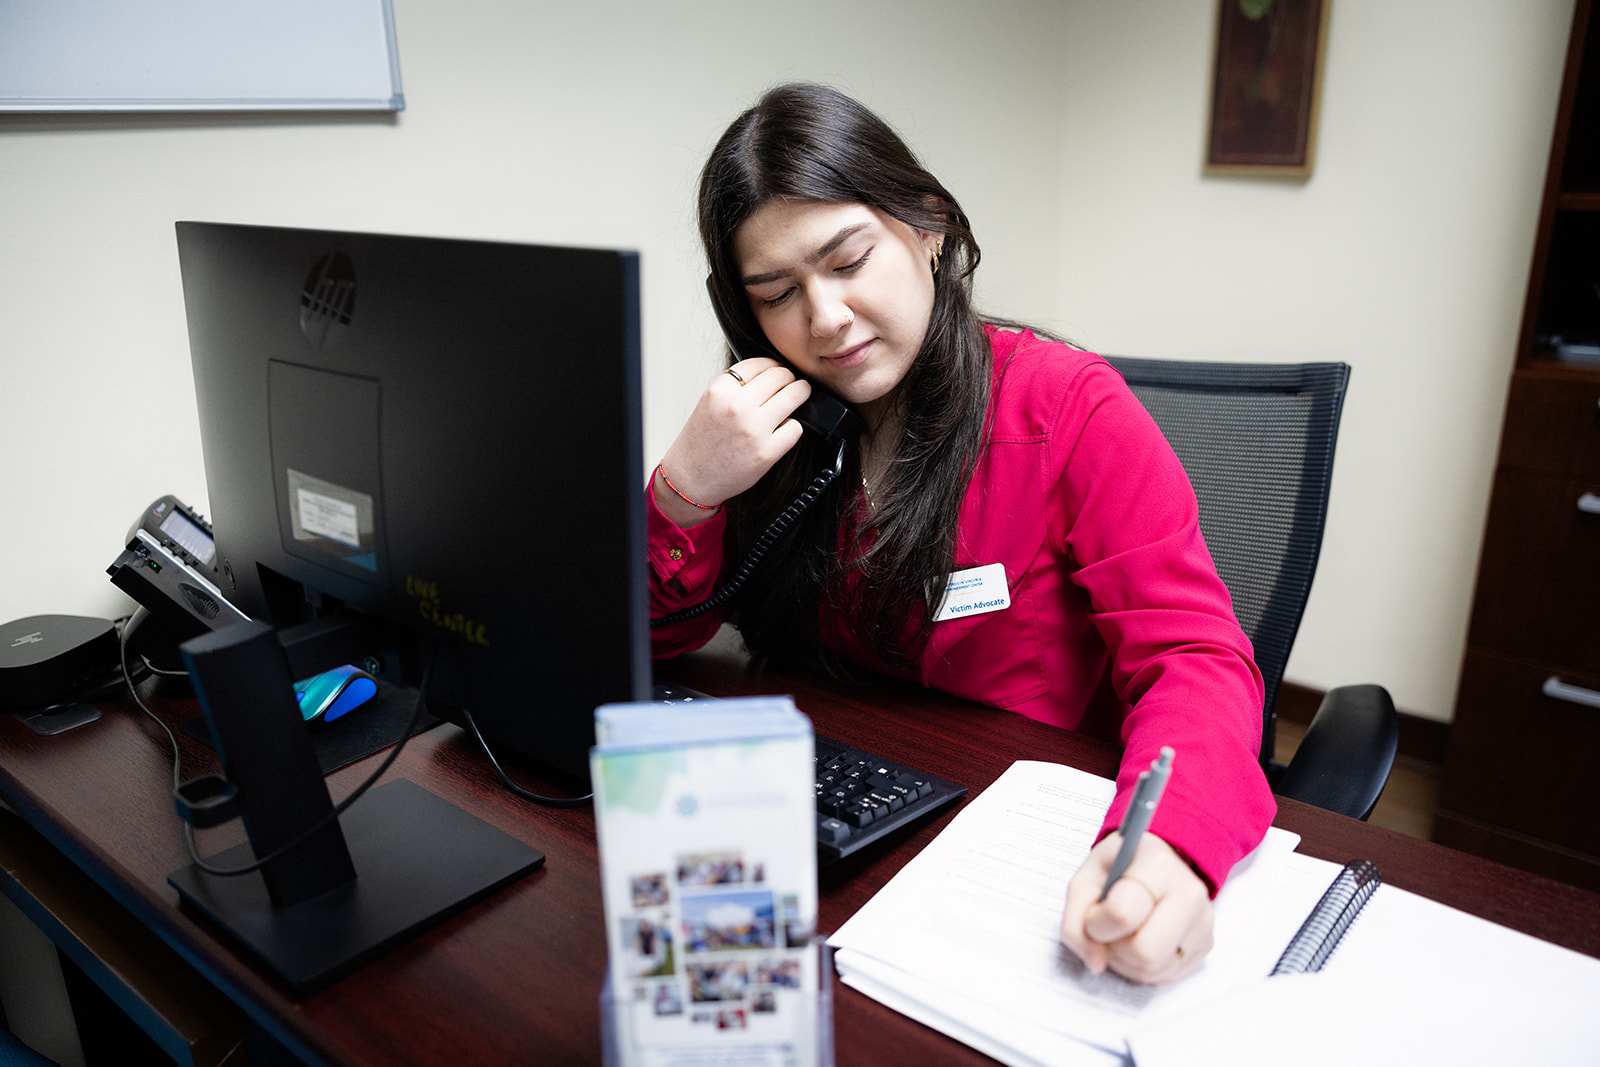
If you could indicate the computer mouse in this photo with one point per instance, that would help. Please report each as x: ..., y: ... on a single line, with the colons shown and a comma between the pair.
x: 330, y: 695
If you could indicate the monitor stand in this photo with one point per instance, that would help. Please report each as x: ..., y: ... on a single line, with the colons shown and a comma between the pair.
x: 397, y: 862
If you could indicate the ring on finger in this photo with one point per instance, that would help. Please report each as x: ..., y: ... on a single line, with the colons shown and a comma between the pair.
x: 1141, y: 885
x: 735, y: 375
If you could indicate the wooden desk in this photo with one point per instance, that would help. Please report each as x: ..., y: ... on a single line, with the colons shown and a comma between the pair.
x: 516, y: 978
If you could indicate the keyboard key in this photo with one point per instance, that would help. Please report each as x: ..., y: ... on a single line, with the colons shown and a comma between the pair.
x: 862, y: 797
x: 886, y: 800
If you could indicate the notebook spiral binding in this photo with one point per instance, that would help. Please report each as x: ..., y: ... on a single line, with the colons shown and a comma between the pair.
x: 1325, y: 927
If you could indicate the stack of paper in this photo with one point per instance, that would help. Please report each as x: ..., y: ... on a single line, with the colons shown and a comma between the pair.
x: 966, y: 939
x: 708, y: 866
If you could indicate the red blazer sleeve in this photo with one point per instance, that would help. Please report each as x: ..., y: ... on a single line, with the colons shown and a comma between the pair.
x: 1179, y: 660
x: 685, y: 566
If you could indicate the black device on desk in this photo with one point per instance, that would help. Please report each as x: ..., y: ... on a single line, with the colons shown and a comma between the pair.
x: 863, y: 798
x: 168, y: 565
x: 436, y: 439
x: 169, y: 568
x: 430, y: 449
x: 179, y: 530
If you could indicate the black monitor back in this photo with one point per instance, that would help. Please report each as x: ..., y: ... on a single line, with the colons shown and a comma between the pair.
x: 442, y: 437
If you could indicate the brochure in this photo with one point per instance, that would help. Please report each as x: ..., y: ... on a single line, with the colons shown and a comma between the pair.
x: 705, y: 817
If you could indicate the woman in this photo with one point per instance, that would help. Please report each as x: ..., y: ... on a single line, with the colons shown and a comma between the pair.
x: 990, y: 460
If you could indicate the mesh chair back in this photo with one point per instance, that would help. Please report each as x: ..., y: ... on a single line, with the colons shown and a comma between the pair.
x: 1257, y: 441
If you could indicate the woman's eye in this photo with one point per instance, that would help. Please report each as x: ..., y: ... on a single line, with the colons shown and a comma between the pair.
x: 777, y: 301
x: 851, y: 268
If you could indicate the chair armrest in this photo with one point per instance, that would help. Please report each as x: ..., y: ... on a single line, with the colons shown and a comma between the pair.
x: 1344, y: 760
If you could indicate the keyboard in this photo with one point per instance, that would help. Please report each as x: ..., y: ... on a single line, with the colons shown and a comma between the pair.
x: 861, y: 797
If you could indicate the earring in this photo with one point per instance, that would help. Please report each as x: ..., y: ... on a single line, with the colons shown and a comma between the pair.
x: 936, y: 259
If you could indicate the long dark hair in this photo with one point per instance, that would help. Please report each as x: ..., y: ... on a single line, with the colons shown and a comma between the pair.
x: 810, y: 142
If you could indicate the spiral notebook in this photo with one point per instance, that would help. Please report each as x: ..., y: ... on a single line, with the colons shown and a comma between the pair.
x: 1325, y: 927
x: 1413, y: 982
x: 965, y: 938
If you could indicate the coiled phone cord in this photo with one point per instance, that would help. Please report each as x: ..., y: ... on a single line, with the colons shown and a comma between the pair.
x: 768, y: 538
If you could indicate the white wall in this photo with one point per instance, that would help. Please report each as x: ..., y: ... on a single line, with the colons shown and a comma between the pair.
x: 1405, y: 255
x: 580, y: 123
x: 1071, y: 130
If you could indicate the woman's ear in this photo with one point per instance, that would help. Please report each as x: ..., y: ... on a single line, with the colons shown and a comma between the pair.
x: 933, y: 240
x: 932, y: 244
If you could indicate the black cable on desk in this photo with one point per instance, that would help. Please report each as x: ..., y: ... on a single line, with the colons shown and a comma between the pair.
x: 338, y: 809
x: 537, y: 798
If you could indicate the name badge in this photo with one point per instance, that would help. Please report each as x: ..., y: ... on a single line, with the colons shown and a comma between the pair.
x: 974, y: 591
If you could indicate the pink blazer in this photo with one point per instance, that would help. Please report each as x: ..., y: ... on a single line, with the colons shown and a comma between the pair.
x: 1118, y: 625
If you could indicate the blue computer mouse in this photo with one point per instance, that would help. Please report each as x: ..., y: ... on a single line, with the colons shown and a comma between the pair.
x: 329, y: 695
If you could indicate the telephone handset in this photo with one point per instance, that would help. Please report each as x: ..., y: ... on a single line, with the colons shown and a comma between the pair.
x: 822, y: 414
x: 829, y: 418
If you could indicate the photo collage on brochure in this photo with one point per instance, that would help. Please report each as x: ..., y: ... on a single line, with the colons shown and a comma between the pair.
x: 712, y: 945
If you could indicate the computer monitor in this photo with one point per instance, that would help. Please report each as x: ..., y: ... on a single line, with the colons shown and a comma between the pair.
x: 443, y: 437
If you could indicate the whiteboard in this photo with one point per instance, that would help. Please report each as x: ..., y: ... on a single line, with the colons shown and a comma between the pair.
x: 198, y: 55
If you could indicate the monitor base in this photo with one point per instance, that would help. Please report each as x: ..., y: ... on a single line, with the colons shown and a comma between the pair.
x: 419, y: 859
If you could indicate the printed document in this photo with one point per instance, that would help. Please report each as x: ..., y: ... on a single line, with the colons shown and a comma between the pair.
x: 966, y: 938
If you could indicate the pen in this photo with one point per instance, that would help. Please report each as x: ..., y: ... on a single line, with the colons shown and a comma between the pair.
x: 1136, y: 820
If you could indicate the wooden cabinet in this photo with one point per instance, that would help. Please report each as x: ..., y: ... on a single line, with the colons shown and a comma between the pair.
x: 1522, y: 777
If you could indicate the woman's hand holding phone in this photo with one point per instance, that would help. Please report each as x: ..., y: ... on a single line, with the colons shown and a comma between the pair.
x: 739, y: 428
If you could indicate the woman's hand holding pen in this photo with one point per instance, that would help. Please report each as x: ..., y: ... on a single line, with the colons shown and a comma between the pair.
x: 1155, y: 924
x: 739, y: 428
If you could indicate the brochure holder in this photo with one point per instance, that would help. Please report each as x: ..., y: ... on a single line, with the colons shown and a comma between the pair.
x: 612, y: 1030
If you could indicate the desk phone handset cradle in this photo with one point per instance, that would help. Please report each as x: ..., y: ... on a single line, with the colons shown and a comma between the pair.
x: 830, y: 419
x: 169, y: 567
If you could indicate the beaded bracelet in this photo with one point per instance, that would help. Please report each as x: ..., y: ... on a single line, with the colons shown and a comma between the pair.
x: 679, y: 493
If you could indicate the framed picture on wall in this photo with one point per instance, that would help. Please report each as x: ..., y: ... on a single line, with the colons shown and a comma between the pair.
x: 1265, y: 82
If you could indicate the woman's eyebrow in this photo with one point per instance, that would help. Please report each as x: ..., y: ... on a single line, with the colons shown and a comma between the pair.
x: 827, y: 249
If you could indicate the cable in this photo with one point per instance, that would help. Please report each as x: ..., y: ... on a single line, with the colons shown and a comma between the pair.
x: 344, y: 805
x: 549, y: 802
x: 162, y: 672
x: 127, y: 677
x: 320, y: 824
x: 769, y: 537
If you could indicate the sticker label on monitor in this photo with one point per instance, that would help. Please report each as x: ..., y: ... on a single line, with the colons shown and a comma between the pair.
x: 333, y: 518
x: 330, y: 518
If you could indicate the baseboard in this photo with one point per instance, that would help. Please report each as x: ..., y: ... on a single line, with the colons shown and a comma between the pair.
x: 1420, y: 738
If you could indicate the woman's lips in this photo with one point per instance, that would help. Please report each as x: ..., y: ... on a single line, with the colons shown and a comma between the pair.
x: 849, y: 357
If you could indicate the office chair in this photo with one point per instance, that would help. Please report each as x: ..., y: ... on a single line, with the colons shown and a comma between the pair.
x: 1257, y: 441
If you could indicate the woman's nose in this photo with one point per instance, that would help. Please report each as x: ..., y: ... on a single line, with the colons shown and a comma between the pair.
x: 829, y: 312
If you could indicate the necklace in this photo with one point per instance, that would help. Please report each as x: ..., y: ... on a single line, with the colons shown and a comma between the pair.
x: 878, y: 467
